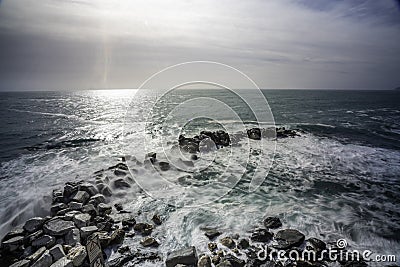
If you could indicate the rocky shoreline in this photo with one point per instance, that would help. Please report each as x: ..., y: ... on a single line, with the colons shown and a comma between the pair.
x: 82, y: 212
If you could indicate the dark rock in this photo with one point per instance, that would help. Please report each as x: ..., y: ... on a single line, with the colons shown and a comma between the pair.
x: 34, y: 224
x: 21, y: 263
x: 73, y: 205
x: 164, y: 166
x: 119, y: 173
x: 121, y: 183
x: 104, y: 239
x: 272, y: 222
x: 211, y: 233
x: 104, y: 209
x: 289, y: 238
x: 36, y: 255
x: 118, y: 206
x: 44, y: 261
x: 227, y: 242
x: 57, y: 207
x: 215, y: 259
x: 134, y: 259
x: 89, y: 209
x: 204, y: 261
x: 70, y: 189
x: 149, y: 242
x: 243, y: 243
x: 261, y: 235
x: 97, y: 199
x: 18, y: 231
x: 63, y: 262
x: 143, y: 228
x: 46, y: 240
x: 224, y: 263
x: 87, y: 231
x: 124, y: 249
x: 315, y: 244
x: 81, y: 220
x: 13, y: 243
x: 30, y: 238
x: 186, y: 256
x: 117, y: 237
x: 81, y: 197
x: 234, y: 261
x: 57, y: 196
x: 212, y: 246
x: 194, y: 157
x: 88, y: 188
x: 57, y: 252
x: 73, y: 237
x: 129, y: 222
x: 106, y: 191
x: 254, y: 133
x: 156, y: 219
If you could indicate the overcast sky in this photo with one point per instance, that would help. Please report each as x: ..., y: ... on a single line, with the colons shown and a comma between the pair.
x: 82, y: 44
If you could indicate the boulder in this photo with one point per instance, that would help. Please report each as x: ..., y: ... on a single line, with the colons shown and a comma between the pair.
x: 234, y: 261
x: 315, y: 244
x: 143, y: 228
x: 156, y: 219
x: 55, y: 208
x: 88, y: 188
x: 243, y: 243
x: 187, y: 256
x: 57, y: 252
x: 118, y: 206
x: 34, y: 224
x: 57, y: 196
x: 211, y: 233
x: 106, y: 191
x: 44, y: 261
x: 289, y: 238
x: 212, y: 246
x: 164, y: 166
x: 70, y: 189
x: 75, y: 205
x: 45, y: 240
x: 204, y: 261
x: 104, y: 209
x: 63, y: 262
x: 117, y: 237
x: 36, y: 255
x: 89, y: 209
x: 261, y: 235
x: 227, y: 242
x: 77, y: 255
x: 87, y: 231
x: 21, y: 263
x: 149, y: 242
x: 13, y: 243
x: 254, y: 133
x: 119, y: 173
x: 129, y: 222
x: 58, y: 227
x: 121, y: 183
x: 81, y: 220
x: 272, y: 222
x: 73, y: 237
x: 98, y: 198
x: 81, y: 197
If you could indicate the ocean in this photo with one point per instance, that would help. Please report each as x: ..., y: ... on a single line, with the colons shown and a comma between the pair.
x: 338, y: 179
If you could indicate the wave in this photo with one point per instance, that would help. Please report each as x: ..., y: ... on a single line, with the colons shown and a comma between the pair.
x: 63, y: 144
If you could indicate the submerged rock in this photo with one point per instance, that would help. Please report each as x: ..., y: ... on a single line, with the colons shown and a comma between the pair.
x: 187, y: 256
x: 211, y: 233
x: 272, y: 222
x: 289, y: 238
x: 261, y: 235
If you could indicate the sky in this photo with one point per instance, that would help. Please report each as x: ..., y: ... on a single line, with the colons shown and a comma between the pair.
x: 84, y: 44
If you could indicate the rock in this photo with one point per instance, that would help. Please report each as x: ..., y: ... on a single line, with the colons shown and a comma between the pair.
x: 164, y: 166
x: 243, y: 243
x: 117, y: 237
x: 129, y: 222
x: 73, y: 237
x: 254, y: 133
x: 88, y: 188
x: 212, y: 246
x: 124, y: 249
x: 13, y: 243
x: 224, y: 263
x: 46, y: 240
x: 194, y: 157
x: 57, y: 252
x: 77, y: 255
x: 204, y: 261
x: 149, y: 242
x: 21, y: 263
x: 89, y: 209
x: 63, y: 262
x: 186, y: 256
x: 227, y: 242
x: 63, y: 212
x: 57, y: 196
x: 58, y: 227
x: 119, y: 173
x: 87, y: 231
x: 272, y: 222
x: 104, y: 239
x: 57, y: 207
x: 134, y: 259
x: 104, y: 209
x: 261, y: 235
x: 315, y: 244
x: 143, y: 228
x: 44, y: 261
x: 98, y: 198
x: 234, y: 261
x: 36, y: 255
x: 151, y: 155
x: 70, y: 189
x: 211, y: 233
x: 81, y: 220
x: 215, y: 259
x: 18, y: 231
x: 289, y: 238
x: 118, y: 206
x: 106, y: 191
x: 75, y: 205
x: 156, y: 219
x: 34, y: 224
x: 121, y: 183
x: 81, y: 197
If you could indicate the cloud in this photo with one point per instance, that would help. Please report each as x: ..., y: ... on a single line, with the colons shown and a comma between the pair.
x: 281, y: 44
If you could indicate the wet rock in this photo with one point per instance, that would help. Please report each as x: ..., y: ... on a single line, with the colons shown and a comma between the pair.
x: 243, y: 243
x: 57, y: 252
x: 143, y: 228
x: 70, y: 188
x: 104, y: 239
x: 134, y: 259
x: 227, y: 242
x: 81, y: 197
x: 121, y: 183
x: 254, y: 133
x: 124, y: 249
x: 77, y: 255
x: 215, y: 259
x: 212, y: 246
x: 118, y: 207
x: 36, y: 255
x: 151, y: 155
x: 194, y: 157
x: 87, y: 231
x: 104, y: 209
x: 156, y: 219
x: 88, y: 188
x: 149, y: 242
x: 22, y: 263
x: 63, y: 262
x: 58, y: 227
x: 81, y: 220
x: 75, y: 205
x: 69, y: 216
x: 73, y: 237
x: 44, y: 261
x: 97, y: 199
x: 272, y: 222
x: 164, y: 166
x: 289, y: 238
x: 315, y: 244
x: 34, y: 224
x: 119, y: 173
x: 57, y: 207
x: 211, y: 233
x: 130, y: 222
x: 45, y: 240
x: 57, y: 196
x: 13, y: 243
x: 106, y: 191
x: 186, y: 256
x: 261, y: 235
x: 204, y: 261
x: 117, y: 237
x: 18, y: 231
x: 89, y: 209
x: 224, y: 263
x: 234, y: 261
